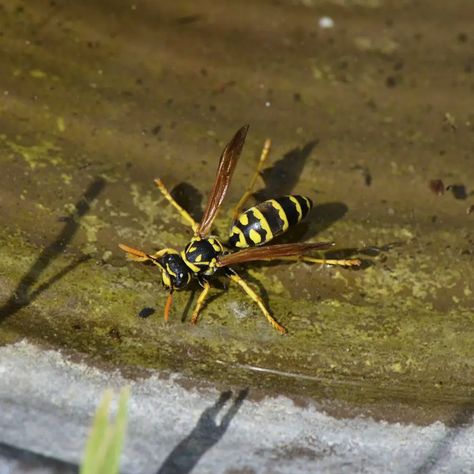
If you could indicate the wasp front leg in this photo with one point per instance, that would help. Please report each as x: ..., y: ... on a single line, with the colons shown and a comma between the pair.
x: 200, y: 302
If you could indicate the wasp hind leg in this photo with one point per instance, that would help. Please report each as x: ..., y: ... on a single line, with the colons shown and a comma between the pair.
x: 342, y: 262
x: 182, y: 212
x: 248, y: 192
x: 244, y: 285
x: 200, y: 302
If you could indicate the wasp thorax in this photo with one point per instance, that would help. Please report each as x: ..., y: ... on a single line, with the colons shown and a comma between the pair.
x: 176, y: 273
x: 200, y: 255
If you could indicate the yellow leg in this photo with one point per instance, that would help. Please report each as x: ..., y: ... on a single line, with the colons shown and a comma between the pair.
x: 200, y: 302
x: 243, y: 284
x: 184, y: 214
x: 342, y: 262
x: 249, y: 190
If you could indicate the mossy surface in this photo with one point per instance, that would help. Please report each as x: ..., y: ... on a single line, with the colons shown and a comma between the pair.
x: 98, y: 100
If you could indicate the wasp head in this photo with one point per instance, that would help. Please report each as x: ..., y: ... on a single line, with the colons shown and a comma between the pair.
x: 174, y: 272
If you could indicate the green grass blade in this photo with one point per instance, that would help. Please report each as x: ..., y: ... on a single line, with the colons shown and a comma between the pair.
x: 118, y: 435
x: 105, y: 442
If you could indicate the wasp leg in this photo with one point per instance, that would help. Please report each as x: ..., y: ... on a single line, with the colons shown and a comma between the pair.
x: 205, y: 289
x: 342, y: 262
x: 249, y: 190
x: 169, y: 302
x: 183, y: 213
x: 243, y: 284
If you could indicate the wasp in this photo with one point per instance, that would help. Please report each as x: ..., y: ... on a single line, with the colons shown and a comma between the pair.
x: 206, y: 255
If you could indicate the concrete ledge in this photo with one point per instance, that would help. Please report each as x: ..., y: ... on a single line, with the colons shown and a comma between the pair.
x: 47, y: 401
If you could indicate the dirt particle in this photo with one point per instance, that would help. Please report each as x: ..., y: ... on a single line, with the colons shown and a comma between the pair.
x: 437, y: 187
x: 391, y: 82
x: 458, y: 190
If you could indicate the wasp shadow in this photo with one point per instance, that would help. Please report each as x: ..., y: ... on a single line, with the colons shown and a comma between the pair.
x: 189, y: 198
x: 442, y: 449
x: 27, y: 461
x: 22, y: 295
x: 204, y: 435
x: 284, y: 174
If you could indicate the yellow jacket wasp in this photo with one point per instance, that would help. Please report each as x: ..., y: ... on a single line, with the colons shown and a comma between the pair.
x: 258, y: 225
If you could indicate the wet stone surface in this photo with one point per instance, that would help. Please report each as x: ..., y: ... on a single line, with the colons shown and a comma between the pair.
x: 98, y: 99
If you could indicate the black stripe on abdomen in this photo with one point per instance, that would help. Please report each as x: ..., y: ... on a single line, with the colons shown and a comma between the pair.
x: 261, y: 223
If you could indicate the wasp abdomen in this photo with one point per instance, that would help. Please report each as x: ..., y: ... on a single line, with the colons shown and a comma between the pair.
x: 261, y: 223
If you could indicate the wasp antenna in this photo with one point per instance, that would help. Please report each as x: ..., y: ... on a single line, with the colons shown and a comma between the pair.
x: 134, y: 254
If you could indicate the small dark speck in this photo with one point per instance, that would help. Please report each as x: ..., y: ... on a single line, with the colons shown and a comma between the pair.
x: 146, y: 312
x: 156, y: 130
x: 367, y: 177
x: 297, y: 97
x: 437, y: 187
x: 462, y: 37
x: 391, y: 81
x: 458, y: 190
x: 114, y: 333
x: 212, y: 108
x: 128, y: 164
x: 187, y: 20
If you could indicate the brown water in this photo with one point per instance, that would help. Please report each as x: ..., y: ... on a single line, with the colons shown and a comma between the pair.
x: 98, y: 99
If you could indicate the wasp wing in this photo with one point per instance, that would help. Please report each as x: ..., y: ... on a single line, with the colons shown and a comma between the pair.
x: 271, y: 252
x: 226, y: 167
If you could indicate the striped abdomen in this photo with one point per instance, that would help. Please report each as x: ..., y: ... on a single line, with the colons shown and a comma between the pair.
x: 261, y: 223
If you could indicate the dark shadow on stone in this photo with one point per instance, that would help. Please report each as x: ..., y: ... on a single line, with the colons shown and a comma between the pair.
x: 189, y: 304
x: 22, y: 296
x: 28, y: 461
x: 323, y: 216
x: 442, y: 448
x: 204, y: 436
x: 189, y: 198
x: 282, y: 177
